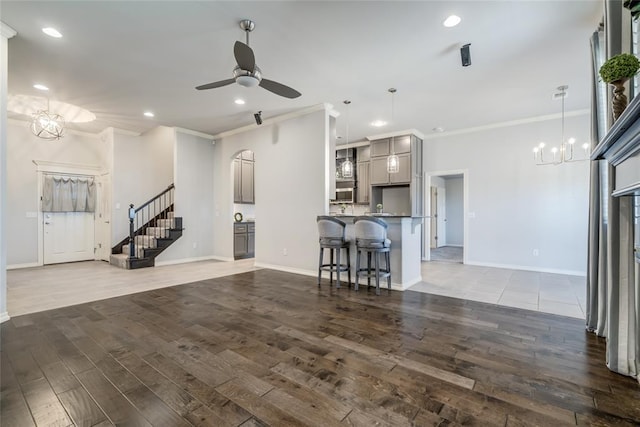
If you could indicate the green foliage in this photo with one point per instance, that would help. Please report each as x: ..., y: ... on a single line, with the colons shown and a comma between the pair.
x: 633, y: 6
x: 621, y: 66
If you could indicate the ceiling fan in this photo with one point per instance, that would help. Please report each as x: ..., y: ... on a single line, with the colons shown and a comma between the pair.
x: 247, y: 73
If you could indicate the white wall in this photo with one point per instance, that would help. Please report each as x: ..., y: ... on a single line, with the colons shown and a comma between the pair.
x: 455, y: 211
x: 194, y: 198
x: 22, y: 184
x: 291, y: 188
x: 142, y: 167
x: 519, y: 206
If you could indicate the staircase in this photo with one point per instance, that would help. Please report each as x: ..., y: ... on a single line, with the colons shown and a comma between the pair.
x: 152, y: 229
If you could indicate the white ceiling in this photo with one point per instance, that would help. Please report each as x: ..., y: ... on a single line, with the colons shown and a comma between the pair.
x: 119, y: 59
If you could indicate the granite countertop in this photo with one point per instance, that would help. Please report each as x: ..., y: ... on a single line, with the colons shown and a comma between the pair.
x: 378, y: 216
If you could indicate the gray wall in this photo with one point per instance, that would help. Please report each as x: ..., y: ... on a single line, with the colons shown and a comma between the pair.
x: 292, y: 184
x: 22, y: 183
x: 519, y: 206
x: 455, y: 211
x: 194, y: 198
x: 142, y: 166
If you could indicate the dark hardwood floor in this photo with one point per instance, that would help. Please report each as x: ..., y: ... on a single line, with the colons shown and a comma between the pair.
x: 271, y: 348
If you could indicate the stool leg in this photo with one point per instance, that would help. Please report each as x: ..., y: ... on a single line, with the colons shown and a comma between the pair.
x: 349, y: 265
x: 368, y: 269
x: 320, y: 265
x: 338, y: 267
x: 377, y: 273
x: 357, y: 268
x: 388, y: 259
x: 331, y: 266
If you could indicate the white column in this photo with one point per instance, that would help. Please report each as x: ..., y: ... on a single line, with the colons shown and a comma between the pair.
x: 6, y: 33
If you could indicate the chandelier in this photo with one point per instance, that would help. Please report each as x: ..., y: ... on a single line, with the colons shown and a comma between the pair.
x: 47, y: 125
x: 565, y: 153
x: 347, y: 165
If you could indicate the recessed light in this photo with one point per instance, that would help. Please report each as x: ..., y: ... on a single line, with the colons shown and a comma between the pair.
x: 149, y: 114
x: 451, y: 21
x: 239, y: 101
x: 438, y: 129
x: 40, y: 87
x: 378, y: 123
x: 52, y: 32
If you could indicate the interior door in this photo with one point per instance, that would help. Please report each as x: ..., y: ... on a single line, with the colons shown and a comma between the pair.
x: 442, y: 217
x: 68, y: 237
x: 433, y: 214
x: 103, y: 218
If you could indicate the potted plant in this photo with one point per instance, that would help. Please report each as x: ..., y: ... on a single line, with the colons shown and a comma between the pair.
x: 343, y: 207
x: 616, y: 71
x: 379, y: 207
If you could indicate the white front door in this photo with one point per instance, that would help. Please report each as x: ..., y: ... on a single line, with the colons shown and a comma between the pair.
x: 68, y: 236
x: 103, y: 218
x: 442, y: 217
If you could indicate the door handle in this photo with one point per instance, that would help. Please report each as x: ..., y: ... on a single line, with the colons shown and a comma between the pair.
x: 47, y: 223
x: 106, y: 222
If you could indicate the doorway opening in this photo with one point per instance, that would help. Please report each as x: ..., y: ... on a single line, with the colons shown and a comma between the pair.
x: 244, y: 227
x: 446, y: 236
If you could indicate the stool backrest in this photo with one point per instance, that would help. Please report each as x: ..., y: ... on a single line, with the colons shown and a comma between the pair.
x: 330, y: 227
x: 370, y: 228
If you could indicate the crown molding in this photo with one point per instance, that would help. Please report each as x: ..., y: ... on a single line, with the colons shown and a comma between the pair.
x: 6, y: 31
x: 193, y: 132
x: 397, y: 133
x: 272, y: 120
x: 535, y: 119
x: 61, y: 167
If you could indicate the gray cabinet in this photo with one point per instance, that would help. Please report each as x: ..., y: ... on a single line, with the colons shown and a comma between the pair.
x: 380, y: 176
x: 364, y: 153
x: 243, y: 178
x: 244, y: 240
x: 364, y: 182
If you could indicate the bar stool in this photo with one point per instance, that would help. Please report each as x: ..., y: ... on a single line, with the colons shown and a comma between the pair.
x: 371, y: 238
x: 331, y: 232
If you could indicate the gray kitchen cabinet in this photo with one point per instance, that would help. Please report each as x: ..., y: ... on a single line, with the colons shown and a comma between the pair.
x: 401, y: 144
x: 378, y: 171
x: 380, y: 176
x: 244, y: 240
x: 243, y: 178
x: 364, y: 153
x: 403, y: 176
x: 364, y: 182
x: 380, y: 147
x: 247, y: 180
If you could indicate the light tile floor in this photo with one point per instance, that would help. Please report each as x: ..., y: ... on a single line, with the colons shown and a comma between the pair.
x: 30, y: 290
x: 545, y: 292
x: 43, y: 288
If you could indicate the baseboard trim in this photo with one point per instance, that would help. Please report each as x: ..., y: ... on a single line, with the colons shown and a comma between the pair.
x: 25, y: 265
x: 286, y: 269
x: 195, y: 259
x: 325, y: 275
x: 4, y: 317
x: 529, y: 268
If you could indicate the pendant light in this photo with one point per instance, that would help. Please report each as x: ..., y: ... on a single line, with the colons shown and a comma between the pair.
x: 47, y: 125
x: 393, y: 162
x: 347, y: 165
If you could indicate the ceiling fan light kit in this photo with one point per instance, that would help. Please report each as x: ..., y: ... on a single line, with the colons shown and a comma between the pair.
x: 246, y: 73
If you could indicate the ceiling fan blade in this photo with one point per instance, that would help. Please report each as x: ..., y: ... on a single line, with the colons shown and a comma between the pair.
x: 216, y: 84
x: 244, y: 56
x: 279, y: 89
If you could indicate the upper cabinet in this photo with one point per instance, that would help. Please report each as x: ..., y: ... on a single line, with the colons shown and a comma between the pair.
x: 403, y: 146
x: 243, y: 178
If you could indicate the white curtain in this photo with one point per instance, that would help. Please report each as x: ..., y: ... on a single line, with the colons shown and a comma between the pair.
x: 68, y: 194
x: 613, y: 280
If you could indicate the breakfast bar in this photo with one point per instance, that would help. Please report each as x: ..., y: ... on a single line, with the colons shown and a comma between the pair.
x: 405, y: 233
